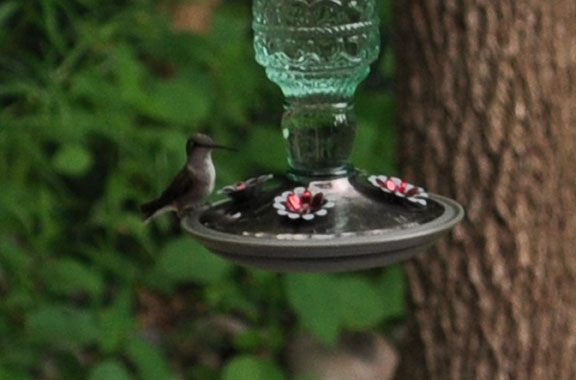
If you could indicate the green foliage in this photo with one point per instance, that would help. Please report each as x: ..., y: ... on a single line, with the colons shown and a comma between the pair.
x: 72, y: 160
x: 183, y: 260
x: 327, y: 304
x: 61, y: 326
x: 362, y: 305
x: 116, y: 323
x: 110, y: 370
x: 392, y: 284
x: 150, y: 363
x: 316, y: 300
x: 66, y: 276
x: 97, y: 100
x: 251, y: 368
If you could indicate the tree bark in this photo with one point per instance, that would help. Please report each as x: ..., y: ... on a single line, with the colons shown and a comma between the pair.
x: 487, y: 112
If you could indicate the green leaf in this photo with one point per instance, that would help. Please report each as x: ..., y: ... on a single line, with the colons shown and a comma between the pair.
x: 116, y: 322
x: 149, y: 361
x: 377, y: 138
x: 91, y: 84
x: 317, y: 302
x: 363, y: 304
x: 204, y: 372
x: 176, y: 102
x: 50, y: 25
x: 129, y: 72
x: 248, y: 367
x: 65, y: 327
x: 393, y: 288
x: 6, y: 11
x: 388, y: 64
x: 110, y: 370
x: 184, y: 260
x: 9, y: 374
x: 21, y: 354
x: 13, y: 257
x: 249, y: 340
x: 266, y: 148
x: 72, y: 160
x: 69, y: 275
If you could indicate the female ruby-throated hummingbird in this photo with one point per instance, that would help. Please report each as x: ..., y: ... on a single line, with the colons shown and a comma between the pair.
x: 194, y: 182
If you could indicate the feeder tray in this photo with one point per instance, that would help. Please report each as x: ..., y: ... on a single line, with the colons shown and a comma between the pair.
x: 365, y: 228
x: 323, y: 215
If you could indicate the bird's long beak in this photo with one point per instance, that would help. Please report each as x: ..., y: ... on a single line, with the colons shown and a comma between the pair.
x: 216, y: 146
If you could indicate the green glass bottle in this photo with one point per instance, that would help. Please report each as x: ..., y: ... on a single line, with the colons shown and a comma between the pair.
x: 317, y: 51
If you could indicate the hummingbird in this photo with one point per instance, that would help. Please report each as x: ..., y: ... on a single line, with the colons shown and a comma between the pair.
x: 192, y: 184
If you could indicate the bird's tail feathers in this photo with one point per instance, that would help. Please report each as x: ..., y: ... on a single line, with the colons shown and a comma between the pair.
x: 154, y: 208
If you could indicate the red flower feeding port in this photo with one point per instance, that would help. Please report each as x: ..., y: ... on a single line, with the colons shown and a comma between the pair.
x: 301, y: 203
x: 400, y: 188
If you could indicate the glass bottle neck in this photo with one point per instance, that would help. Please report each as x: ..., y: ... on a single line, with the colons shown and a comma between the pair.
x: 319, y: 137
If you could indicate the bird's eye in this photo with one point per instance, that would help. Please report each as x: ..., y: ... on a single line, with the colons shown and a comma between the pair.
x: 190, y: 146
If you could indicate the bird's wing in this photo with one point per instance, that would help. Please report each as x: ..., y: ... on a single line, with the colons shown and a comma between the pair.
x: 180, y: 185
x: 178, y: 188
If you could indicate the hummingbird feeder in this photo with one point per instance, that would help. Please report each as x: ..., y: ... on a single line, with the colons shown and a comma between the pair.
x: 323, y: 215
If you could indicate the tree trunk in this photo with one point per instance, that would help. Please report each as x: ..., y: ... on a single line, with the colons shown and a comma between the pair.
x: 487, y: 111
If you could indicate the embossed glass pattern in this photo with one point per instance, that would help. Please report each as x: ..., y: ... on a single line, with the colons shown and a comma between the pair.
x: 317, y: 51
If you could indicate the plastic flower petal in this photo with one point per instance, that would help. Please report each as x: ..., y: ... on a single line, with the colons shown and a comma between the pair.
x: 301, y: 203
x: 400, y: 188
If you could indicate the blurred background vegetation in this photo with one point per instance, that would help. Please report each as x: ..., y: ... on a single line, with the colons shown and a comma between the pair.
x: 98, y: 98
